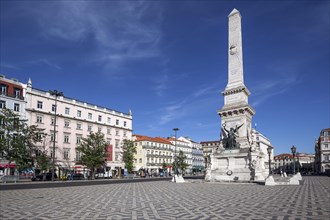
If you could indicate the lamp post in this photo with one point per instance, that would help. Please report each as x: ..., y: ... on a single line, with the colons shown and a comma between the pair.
x: 269, y: 150
x: 56, y: 94
x: 298, y: 164
x: 284, y: 164
x: 293, y: 151
x: 176, y: 163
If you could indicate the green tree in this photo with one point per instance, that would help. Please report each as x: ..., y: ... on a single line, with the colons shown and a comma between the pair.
x: 180, y: 162
x: 93, y: 151
x: 129, y: 149
x: 43, y: 161
x: 17, y: 139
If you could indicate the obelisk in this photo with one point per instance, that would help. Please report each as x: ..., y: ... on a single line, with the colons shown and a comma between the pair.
x: 236, y: 110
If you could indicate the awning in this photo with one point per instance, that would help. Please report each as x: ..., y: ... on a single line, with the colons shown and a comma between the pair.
x: 5, y: 165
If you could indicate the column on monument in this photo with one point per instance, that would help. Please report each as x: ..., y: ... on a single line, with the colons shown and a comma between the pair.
x: 235, y: 52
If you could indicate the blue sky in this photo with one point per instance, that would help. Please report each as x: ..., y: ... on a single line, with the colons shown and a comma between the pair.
x: 167, y: 61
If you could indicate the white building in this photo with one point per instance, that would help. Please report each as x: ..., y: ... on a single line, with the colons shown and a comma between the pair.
x: 11, y: 97
x: 75, y: 120
x: 194, y: 155
x: 184, y: 145
x: 322, y: 152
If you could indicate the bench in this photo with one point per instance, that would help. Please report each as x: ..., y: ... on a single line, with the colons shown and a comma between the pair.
x: 6, y: 179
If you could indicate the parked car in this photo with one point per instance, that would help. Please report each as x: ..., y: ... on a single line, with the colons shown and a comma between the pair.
x: 40, y: 177
x: 76, y: 176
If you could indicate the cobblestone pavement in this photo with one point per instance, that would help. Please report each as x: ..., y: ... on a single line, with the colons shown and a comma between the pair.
x: 166, y: 200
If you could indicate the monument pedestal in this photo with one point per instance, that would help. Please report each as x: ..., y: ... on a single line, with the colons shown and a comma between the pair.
x: 230, y: 165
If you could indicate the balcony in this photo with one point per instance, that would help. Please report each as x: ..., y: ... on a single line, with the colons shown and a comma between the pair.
x: 12, y: 95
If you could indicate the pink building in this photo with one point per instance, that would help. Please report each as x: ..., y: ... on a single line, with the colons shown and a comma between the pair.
x: 75, y: 120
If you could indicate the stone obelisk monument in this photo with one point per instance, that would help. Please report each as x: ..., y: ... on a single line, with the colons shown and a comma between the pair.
x: 232, y: 160
x: 236, y: 110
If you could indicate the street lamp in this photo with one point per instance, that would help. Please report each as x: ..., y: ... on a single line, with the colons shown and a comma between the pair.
x: 293, y: 151
x: 56, y: 94
x: 284, y: 164
x: 176, y: 163
x: 269, y: 150
x: 298, y: 164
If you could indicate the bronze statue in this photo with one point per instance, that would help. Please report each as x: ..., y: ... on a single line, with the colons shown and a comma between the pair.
x: 231, y: 137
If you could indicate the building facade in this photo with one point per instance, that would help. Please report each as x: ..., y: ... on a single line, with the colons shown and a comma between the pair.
x: 11, y: 97
x: 322, y: 152
x: 74, y: 121
x: 153, y: 154
x: 194, y: 155
x: 303, y: 163
x: 182, y: 144
x: 208, y: 147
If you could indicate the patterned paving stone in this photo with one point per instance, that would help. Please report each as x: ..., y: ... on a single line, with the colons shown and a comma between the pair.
x: 167, y: 200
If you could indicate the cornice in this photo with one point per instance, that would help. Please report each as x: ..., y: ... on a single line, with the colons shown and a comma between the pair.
x: 236, y: 90
x: 236, y: 110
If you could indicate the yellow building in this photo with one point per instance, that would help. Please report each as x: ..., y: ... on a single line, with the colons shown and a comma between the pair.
x: 153, y: 154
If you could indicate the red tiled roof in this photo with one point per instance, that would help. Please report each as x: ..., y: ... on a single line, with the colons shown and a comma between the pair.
x: 152, y: 139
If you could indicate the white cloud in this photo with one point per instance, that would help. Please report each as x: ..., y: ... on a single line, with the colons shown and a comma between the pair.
x: 267, y: 89
x: 172, y: 112
x: 205, y: 91
x: 43, y: 61
x: 161, y: 84
x: 121, y: 30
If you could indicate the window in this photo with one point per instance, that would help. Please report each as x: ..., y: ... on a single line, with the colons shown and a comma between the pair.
x: 125, y: 134
x: 108, y: 130
x: 67, y: 111
x: 89, y: 128
x: 39, y: 104
x: 2, y: 104
x: 53, y: 107
x: 3, y: 90
x: 117, y: 143
x: 39, y: 119
x: 117, y: 132
x: 78, y: 126
x: 117, y: 122
x: 66, y: 123
x: 66, y: 138
x: 66, y: 153
x: 78, y: 141
x: 326, y: 145
x: 108, y: 141
x: 90, y: 116
x: 109, y: 120
x: 78, y: 154
x: 52, y: 137
x: 52, y: 122
x: 51, y: 154
x: 99, y: 129
x: 125, y: 123
x: 78, y: 113
x: 140, y: 160
x: 16, y: 107
x: 100, y: 118
x: 17, y: 93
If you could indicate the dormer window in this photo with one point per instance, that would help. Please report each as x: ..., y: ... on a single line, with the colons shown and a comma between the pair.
x: 3, y: 89
x: 17, y: 93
